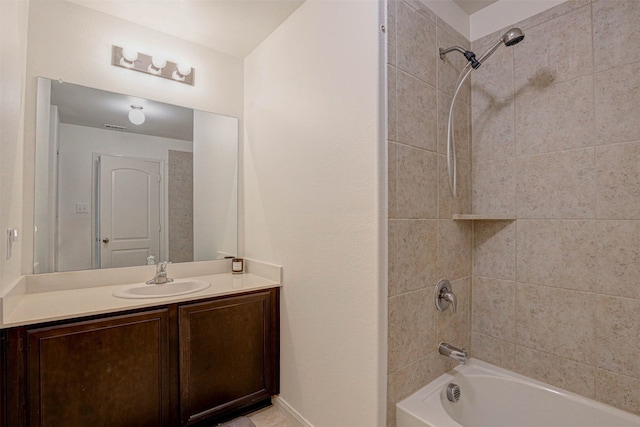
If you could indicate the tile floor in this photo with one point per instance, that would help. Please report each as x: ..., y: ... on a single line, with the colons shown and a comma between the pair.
x: 269, y: 417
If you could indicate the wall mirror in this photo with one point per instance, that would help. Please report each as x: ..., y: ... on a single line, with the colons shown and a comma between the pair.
x: 111, y: 193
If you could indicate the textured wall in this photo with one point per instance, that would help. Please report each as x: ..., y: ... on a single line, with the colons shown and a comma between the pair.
x: 311, y: 193
x: 425, y: 245
x: 13, y: 45
x: 556, y: 142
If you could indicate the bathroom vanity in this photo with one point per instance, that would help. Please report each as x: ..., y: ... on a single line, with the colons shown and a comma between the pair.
x: 190, y: 361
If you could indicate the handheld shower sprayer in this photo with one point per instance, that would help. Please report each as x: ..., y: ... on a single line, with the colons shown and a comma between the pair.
x: 510, y: 38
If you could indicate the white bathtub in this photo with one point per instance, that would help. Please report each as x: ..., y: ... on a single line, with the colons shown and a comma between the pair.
x: 494, y: 397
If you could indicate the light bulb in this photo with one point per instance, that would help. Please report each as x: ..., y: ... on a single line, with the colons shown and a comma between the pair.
x: 182, y: 70
x: 136, y: 116
x: 157, y: 64
x: 129, y: 56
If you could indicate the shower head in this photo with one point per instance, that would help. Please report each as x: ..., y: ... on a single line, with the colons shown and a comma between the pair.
x: 513, y: 36
x: 510, y: 38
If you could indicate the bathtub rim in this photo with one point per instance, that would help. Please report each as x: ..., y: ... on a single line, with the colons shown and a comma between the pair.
x: 421, y: 406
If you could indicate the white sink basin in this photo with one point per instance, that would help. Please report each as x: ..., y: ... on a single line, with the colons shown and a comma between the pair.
x: 179, y: 287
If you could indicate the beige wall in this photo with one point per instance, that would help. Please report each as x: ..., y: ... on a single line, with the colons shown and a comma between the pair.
x: 312, y: 204
x: 425, y: 245
x: 13, y: 57
x: 556, y: 293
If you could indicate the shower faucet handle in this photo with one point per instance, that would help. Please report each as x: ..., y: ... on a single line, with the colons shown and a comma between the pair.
x: 444, y: 296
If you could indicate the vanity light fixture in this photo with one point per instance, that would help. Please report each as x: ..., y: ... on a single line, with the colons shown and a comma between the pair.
x: 136, y: 116
x: 153, y: 65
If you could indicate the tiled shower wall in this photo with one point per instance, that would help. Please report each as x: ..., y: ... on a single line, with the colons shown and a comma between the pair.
x: 425, y: 245
x: 180, y: 182
x: 556, y: 143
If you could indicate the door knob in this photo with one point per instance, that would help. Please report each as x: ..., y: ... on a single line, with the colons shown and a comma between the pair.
x: 105, y: 240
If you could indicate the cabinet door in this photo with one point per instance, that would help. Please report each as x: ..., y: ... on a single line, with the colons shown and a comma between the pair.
x: 228, y: 354
x: 105, y: 372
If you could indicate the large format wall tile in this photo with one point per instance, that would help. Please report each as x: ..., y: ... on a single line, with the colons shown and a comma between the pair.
x: 391, y: 399
x: 461, y: 126
x: 557, y: 253
x: 555, y: 370
x: 557, y: 321
x: 494, y: 79
x: 616, y: 27
x: 567, y: 111
x: 618, y: 390
x: 416, y: 44
x: 416, y: 116
x: 552, y: 13
x: 392, y: 12
x: 561, y: 47
x: 619, y: 258
x: 392, y: 198
x: 494, y: 249
x: 557, y: 185
x: 492, y: 127
x: 618, y: 334
x: 494, y: 308
x: 447, y: 204
x: 392, y: 104
x: 565, y: 147
x: 412, y: 255
x: 413, y: 377
x: 494, y: 186
x: 493, y: 350
x: 416, y: 183
x: 617, y: 101
x: 618, y: 180
x: 411, y: 332
x: 454, y: 249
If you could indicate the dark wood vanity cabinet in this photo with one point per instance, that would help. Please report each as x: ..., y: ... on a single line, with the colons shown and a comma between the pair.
x: 176, y: 365
x: 228, y: 355
x: 111, y: 372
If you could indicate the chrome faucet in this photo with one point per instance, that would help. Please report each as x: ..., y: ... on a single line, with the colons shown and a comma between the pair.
x: 444, y: 296
x: 453, y: 352
x: 161, y: 274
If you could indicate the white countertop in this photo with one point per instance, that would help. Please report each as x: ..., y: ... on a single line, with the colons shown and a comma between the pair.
x: 38, y: 307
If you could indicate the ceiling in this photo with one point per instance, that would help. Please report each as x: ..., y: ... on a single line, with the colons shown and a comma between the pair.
x: 234, y: 27
x: 472, y: 6
x: 84, y: 106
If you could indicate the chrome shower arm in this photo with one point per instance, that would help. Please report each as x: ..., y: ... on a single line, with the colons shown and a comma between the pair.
x: 443, y: 52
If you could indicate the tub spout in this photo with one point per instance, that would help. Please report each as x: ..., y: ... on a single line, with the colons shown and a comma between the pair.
x: 455, y: 353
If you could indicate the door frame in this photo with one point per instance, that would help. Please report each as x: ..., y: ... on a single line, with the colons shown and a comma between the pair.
x: 95, y: 202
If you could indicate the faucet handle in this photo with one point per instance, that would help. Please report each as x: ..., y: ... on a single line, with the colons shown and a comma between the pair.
x: 444, y: 296
x: 451, y: 297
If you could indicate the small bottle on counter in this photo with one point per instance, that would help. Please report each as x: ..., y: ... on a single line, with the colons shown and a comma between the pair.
x: 237, y: 265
